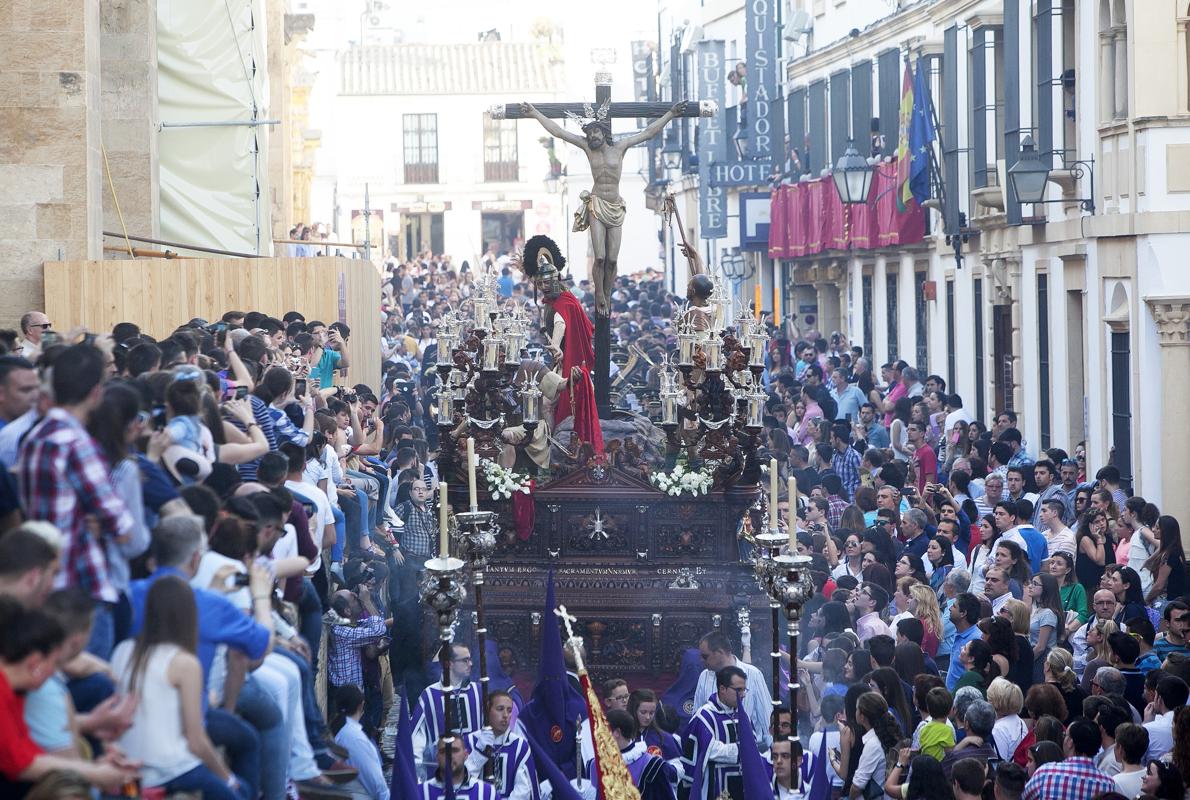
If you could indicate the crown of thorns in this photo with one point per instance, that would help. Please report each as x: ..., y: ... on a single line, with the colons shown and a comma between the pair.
x: 591, y: 116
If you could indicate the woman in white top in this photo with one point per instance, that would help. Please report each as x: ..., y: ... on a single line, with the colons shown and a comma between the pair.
x: 881, y: 733
x: 1006, y: 698
x: 168, y: 733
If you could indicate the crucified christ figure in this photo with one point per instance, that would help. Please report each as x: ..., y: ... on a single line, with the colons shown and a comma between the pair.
x: 603, y: 208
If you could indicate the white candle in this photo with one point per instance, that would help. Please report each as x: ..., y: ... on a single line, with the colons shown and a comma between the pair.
x: 773, y: 494
x: 471, y: 473
x: 792, y: 486
x: 443, y: 511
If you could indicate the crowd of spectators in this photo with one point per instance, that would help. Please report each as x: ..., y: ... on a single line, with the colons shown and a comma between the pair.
x: 208, y: 576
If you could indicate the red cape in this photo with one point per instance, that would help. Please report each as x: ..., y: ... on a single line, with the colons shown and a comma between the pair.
x: 578, y: 350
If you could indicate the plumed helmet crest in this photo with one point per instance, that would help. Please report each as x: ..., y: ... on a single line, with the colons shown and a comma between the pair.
x: 529, y: 255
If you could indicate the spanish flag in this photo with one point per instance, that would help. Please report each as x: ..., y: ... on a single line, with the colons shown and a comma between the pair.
x: 609, y: 773
x: 903, y: 154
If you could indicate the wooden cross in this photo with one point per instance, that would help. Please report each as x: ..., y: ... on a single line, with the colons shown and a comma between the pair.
x: 609, y: 111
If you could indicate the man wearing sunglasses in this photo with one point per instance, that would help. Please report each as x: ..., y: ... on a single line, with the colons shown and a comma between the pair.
x: 33, y: 325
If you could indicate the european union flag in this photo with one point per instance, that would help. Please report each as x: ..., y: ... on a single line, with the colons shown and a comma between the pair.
x: 921, y: 135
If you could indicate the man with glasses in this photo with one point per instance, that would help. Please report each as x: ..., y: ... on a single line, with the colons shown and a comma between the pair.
x: 33, y: 325
x: 429, y: 715
x: 1103, y: 607
x: 1177, y: 623
x: 711, y: 744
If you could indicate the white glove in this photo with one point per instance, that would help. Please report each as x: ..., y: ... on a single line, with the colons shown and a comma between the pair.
x: 585, y: 788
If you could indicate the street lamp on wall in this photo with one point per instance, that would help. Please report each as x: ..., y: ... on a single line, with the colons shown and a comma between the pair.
x: 735, y: 265
x: 1029, y: 175
x: 853, y: 177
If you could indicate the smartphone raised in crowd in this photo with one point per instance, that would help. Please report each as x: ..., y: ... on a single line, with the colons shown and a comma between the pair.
x: 241, y: 392
x: 299, y: 387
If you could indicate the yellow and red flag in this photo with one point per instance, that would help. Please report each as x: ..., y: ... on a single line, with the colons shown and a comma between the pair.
x: 903, y: 155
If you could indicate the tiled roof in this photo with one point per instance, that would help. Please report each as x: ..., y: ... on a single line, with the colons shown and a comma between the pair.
x: 497, y: 68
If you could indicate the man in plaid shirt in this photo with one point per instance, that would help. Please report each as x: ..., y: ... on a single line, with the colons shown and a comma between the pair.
x: 344, y: 666
x: 1075, y: 778
x: 406, y: 565
x: 845, y: 461
x: 65, y: 480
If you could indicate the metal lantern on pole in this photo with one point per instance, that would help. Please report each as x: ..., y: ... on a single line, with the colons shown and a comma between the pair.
x: 1029, y: 174
x: 853, y: 177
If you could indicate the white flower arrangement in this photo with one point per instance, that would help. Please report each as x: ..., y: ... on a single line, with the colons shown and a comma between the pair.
x: 683, y: 480
x: 503, y: 483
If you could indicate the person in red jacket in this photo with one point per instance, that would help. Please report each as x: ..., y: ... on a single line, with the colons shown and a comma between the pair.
x: 571, y: 337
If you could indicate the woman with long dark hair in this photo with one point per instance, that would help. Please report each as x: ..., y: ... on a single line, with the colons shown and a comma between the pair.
x: 981, y: 559
x: 926, y: 781
x: 887, y: 682
x: 117, y: 424
x: 1013, y: 559
x: 910, y: 565
x: 1125, y: 585
x: 168, y: 733
x: 1001, y: 638
x: 276, y: 389
x: 978, y: 667
x: 1045, y: 615
x: 1168, y: 564
x: 850, y: 734
x: 851, y: 562
x: 1095, y: 549
x: 1072, y: 593
x: 941, y: 557
x: 642, y: 705
x: 881, y: 734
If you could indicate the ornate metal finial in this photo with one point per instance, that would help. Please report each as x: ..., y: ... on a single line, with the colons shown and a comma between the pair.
x: 576, y: 642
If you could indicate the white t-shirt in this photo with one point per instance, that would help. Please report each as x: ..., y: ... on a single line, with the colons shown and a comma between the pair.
x: 323, y: 516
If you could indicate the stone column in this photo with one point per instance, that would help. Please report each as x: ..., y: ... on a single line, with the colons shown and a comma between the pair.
x: 128, y: 34
x: 51, y: 170
x: 1172, y: 315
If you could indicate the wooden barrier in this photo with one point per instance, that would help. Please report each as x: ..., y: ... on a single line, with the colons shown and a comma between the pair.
x: 160, y: 294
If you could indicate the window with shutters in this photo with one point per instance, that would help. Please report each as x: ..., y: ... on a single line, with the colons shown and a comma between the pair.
x: 817, y: 124
x: 420, y: 134
x: 840, y: 114
x: 499, y: 149
x: 987, y: 104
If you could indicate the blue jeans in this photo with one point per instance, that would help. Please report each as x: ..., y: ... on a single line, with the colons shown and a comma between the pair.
x: 207, y: 784
x: 315, y: 724
x: 340, y: 535
x: 352, y: 515
x: 365, y: 524
x: 103, y: 632
x: 310, y: 621
x: 241, y: 743
x: 260, y: 711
